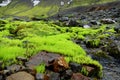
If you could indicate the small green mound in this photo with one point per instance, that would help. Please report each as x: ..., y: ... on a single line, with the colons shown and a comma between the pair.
x: 57, y: 44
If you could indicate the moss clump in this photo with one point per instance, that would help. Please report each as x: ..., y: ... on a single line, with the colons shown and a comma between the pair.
x: 93, y: 42
x: 57, y: 44
x: 8, y: 54
x: 40, y: 68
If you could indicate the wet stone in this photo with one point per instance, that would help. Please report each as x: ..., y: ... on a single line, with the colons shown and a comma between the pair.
x: 108, y: 21
x: 78, y: 76
x: 14, y: 68
x: 42, y: 57
x: 67, y: 74
x: 20, y: 76
x: 54, y: 76
x: 52, y: 61
x: 62, y: 19
x: 75, y: 67
x: 29, y: 70
x: 39, y: 76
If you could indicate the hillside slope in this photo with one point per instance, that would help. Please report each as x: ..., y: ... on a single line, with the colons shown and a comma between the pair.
x: 44, y: 9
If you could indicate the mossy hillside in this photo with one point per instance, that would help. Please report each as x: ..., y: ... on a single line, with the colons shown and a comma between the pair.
x: 44, y: 9
x: 16, y: 6
x: 28, y: 38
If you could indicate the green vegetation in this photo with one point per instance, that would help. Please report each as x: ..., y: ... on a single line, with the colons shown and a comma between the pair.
x: 20, y: 38
x: 84, y: 71
x: 40, y: 68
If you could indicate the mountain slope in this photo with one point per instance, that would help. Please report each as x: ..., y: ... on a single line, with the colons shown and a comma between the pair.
x: 44, y: 9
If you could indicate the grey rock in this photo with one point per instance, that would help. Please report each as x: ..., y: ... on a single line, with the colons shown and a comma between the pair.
x: 39, y: 76
x: 54, y: 76
x: 108, y: 21
x: 20, y: 76
x: 75, y: 67
x: 68, y: 74
x: 62, y: 19
x: 14, y: 68
x: 94, y: 22
x: 78, y: 76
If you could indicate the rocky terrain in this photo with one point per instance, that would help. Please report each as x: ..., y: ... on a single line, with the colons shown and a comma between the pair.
x: 94, y: 16
x: 82, y: 43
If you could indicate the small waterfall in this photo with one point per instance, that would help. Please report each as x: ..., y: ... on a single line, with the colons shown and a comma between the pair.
x: 5, y: 2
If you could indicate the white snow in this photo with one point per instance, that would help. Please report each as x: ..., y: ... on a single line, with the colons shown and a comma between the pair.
x: 69, y: 2
x: 35, y: 2
x: 5, y: 2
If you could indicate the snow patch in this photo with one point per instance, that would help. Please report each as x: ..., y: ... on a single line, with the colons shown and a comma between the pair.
x: 35, y: 2
x: 69, y: 2
x: 5, y: 3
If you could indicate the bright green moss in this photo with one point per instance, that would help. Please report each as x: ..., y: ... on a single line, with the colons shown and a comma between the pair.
x: 40, y: 68
x: 57, y: 44
x: 29, y: 38
x: 10, y: 52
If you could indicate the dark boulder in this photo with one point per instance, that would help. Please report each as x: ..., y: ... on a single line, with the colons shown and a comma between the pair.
x: 75, y: 67
x: 67, y: 74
